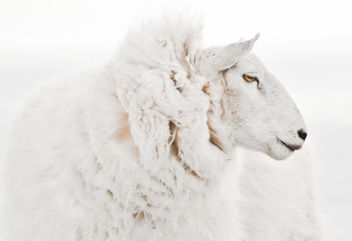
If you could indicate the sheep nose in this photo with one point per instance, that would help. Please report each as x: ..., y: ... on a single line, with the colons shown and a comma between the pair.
x: 302, y: 134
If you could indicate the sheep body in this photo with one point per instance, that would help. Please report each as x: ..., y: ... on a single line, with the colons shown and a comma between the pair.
x: 89, y: 156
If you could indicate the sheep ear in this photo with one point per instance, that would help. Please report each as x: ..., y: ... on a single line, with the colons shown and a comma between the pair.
x: 213, y: 60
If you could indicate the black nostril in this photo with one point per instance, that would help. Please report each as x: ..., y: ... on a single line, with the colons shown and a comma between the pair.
x: 302, y: 134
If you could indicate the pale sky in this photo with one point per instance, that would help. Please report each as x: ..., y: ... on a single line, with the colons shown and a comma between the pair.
x: 103, y: 22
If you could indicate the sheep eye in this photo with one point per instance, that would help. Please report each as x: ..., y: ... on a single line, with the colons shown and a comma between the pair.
x: 250, y: 78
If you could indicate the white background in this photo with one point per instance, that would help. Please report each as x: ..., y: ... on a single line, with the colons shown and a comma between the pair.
x: 307, y: 44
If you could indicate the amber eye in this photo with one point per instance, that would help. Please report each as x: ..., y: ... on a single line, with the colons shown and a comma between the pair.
x: 250, y: 78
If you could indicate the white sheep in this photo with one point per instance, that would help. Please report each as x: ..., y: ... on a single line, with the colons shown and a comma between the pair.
x: 148, y: 148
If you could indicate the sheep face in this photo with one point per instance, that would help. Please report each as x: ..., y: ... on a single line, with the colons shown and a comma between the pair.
x: 261, y: 114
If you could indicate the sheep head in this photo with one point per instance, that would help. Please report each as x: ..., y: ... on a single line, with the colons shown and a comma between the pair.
x: 257, y: 111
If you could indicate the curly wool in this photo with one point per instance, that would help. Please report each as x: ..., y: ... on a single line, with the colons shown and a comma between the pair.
x: 123, y: 153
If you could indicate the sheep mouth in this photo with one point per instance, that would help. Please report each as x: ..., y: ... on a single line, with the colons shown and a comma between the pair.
x: 291, y: 147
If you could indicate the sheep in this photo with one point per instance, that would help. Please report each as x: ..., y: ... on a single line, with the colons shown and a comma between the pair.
x: 149, y: 147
